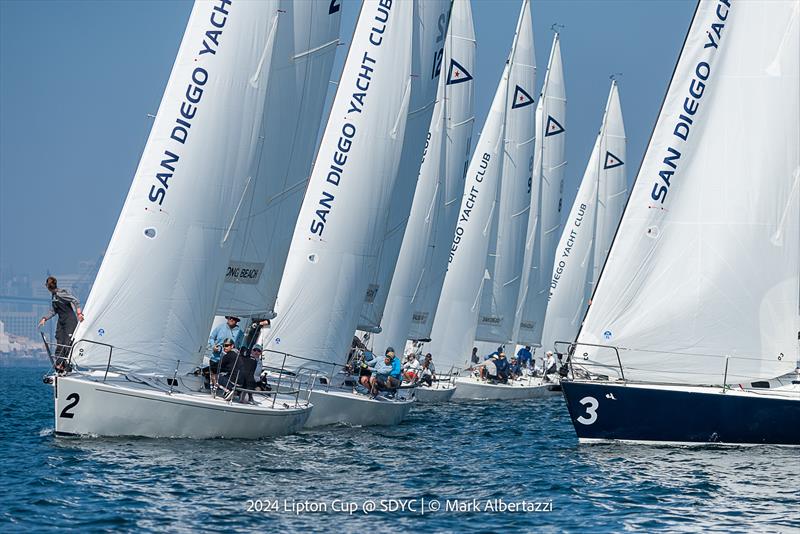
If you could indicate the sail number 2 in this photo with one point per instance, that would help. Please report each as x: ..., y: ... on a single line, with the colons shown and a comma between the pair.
x: 74, y: 398
x: 591, y: 411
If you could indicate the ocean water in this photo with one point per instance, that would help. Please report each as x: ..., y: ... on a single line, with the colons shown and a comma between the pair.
x: 495, y: 453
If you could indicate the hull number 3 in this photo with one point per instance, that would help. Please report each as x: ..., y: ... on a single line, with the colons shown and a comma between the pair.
x: 591, y: 411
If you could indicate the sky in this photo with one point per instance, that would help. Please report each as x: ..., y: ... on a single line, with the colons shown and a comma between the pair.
x: 78, y: 80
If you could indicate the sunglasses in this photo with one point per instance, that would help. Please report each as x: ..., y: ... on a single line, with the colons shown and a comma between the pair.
x: 228, y: 345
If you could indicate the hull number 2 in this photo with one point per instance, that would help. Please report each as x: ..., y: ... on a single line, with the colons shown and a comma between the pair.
x: 74, y: 398
x: 591, y: 411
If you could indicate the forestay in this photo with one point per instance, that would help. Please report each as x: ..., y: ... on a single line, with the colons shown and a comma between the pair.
x: 589, y: 228
x: 156, y: 291
x: 703, y: 271
x: 507, y: 242
x: 307, y: 35
x: 430, y: 28
x: 335, y: 241
x: 457, y: 315
x: 439, y: 186
x: 544, y: 222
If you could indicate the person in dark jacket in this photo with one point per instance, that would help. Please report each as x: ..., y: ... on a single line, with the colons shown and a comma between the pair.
x: 68, y: 308
x: 502, y: 366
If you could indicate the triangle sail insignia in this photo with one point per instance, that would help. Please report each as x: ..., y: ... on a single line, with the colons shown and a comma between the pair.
x: 553, y: 127
x: 521, y: 98
x: 612, y: 161
x: 457, y: 73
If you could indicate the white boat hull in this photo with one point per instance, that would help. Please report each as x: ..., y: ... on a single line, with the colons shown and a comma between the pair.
x: 471, y: 388
x: 432, y: 395
x: 343, y: 406
x: 88, y: 406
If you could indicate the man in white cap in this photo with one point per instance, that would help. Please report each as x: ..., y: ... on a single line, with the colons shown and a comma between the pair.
x: 549, y: 363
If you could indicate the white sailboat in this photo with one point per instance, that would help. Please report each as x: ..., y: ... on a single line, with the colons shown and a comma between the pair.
x: 335, y: 240
x: 544, y: 223
x: 457, y: 315
x: 307, y: 35
x: 149, y: 312
x: 430, y: 30
x: 589, y: 229
x: 692, y: 332
x: 441, y: 173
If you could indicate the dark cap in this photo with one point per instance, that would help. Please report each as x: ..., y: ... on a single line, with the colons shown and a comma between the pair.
x: 257, y: 347
x: 233, y: 317
x: 389, y: 349
x: 227, y: 341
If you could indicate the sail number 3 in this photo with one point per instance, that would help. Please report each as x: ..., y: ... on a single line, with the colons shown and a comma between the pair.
x: 591, y: 411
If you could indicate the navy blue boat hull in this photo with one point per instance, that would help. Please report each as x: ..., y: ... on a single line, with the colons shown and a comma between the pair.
x: 605, y: 411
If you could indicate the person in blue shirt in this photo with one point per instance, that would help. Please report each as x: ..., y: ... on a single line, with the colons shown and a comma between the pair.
x: 502, y: 367
x: 524, y: 356
x: 228, y: 330
x: 514, y: 368
x: 387, y: 374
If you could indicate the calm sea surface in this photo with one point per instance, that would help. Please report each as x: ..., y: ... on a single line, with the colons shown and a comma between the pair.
x: 514, y: 452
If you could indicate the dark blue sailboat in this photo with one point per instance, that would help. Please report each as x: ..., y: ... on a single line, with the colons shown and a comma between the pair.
x: 692, y: 334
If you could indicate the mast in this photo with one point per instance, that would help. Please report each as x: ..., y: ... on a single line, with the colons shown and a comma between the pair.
x: 457, y: 315
x: 591, y: 223
x: 544, y: 220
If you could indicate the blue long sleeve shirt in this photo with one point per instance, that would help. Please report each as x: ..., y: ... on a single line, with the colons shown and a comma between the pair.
x: 220, y: 333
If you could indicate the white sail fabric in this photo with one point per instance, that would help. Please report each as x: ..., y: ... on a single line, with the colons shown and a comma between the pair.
x: 443, y: 164
x: 305, y: 46
x: 544, y: 221
x: 459, y: 109
x: 705, y: 263
x: 430, y: 29
x: 336, y: 238
x: 496, y: 318
x: 457, y: 315
x: 157, y: 288
x: 589, y: 229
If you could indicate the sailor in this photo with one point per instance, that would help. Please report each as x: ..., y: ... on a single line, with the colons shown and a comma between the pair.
x: 550, y: 365
x: 488, y: 369
x: 428, y: 371
x: 411, y: 367
x: 228, y: 330
x: 474, y: 358
x: 524, y: 356
x: 253, y: 333
x: 68, y: 308
x: 514, y: 368
x: 502, y: 366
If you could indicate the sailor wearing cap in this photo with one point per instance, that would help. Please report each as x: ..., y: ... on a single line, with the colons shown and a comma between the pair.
x: 229, y: 329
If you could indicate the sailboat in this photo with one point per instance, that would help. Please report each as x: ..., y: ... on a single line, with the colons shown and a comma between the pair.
x: 136, y: 355
x: 428, y: 235
x: 334, y: 247
x: 456, y: 318
x: 692, y: 333
x: 589, y: 229
x: 544, y: 223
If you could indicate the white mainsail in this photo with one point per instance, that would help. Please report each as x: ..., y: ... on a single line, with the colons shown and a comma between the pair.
x: 306, y: 39
x: 507, y: 242
x: 703, y: 271
x: 157, y: 288
x: 335, y: 240
x: 442, y: 169
x: 457, y: 315
x: 547, y: 184
x: 430, y: 29
x: 589, y: 228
